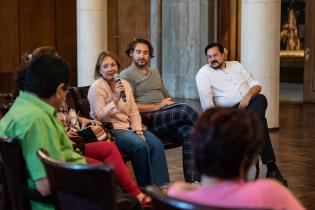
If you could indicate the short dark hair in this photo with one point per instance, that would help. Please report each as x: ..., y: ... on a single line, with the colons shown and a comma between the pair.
x: 100, y: 59
x: 224, y: 140
x: 19, y: 76
x: 133, y: 44
x: 45, y: 73
x: 215, y: 44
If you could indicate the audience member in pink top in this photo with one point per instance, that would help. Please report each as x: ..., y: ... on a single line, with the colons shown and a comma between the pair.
x: 145, y: 150
x: 225, y: 144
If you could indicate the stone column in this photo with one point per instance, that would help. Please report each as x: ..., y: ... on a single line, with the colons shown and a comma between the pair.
x: 156, y: 32
x: 184, y: 36
x: 260, y: 49
x: 91, y: 36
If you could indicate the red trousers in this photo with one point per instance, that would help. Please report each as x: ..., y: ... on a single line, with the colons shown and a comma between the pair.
x: 107, y: 152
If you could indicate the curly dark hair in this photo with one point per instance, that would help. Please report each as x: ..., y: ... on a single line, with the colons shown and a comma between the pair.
x: 45, y: 73
x: 19, y: 76
x: 226, y: 140
x: 133, y: 44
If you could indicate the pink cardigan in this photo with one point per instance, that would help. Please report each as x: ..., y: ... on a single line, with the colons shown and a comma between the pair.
x: 262, y: 193
x: 123, y: 115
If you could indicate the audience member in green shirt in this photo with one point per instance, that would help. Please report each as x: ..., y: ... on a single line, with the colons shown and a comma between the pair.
x: 25, y: 100
x: 32, y: 119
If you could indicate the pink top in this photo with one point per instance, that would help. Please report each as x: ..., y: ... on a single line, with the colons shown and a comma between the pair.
x: 263, y: 193
x: 123, y: 115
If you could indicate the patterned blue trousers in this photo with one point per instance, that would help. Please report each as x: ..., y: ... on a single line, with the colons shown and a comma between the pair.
x: 178, y: 122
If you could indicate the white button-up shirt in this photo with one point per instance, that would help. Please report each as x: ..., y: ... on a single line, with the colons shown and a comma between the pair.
x: 223, y: 87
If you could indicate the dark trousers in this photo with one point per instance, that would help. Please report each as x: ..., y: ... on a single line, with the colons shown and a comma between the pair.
x: 258, y: 105
x: 178, y: 122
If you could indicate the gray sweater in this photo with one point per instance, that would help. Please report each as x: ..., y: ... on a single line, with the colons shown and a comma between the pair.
x: 147, y: 88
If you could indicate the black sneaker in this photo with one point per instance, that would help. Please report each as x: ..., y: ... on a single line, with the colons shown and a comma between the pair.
x: 275, y: 174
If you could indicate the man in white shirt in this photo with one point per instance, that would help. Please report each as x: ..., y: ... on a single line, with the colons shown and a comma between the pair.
x: 229, y: 84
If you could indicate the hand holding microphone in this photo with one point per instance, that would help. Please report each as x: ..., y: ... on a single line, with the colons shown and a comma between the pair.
x: 118, y: 81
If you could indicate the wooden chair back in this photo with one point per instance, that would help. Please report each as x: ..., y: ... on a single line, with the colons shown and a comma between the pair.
x: 14, y: 177
x: 80, y: 187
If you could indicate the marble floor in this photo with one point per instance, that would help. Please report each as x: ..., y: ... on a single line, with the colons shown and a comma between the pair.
x: 291, y: 91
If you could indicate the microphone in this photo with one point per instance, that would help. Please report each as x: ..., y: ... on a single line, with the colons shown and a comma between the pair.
x: 122, y: 93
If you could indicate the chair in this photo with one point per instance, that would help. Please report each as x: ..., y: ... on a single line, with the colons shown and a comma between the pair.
x: 163, y: 202
x: 81, y: 104
x: 79, y: 97
x: 17, y: 194
x: 80, y: 187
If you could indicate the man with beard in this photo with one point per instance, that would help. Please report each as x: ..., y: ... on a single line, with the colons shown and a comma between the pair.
x: 158, y: 110
x: 229, y: 84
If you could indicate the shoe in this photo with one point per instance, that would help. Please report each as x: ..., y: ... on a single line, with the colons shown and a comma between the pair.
x: 275, y: 174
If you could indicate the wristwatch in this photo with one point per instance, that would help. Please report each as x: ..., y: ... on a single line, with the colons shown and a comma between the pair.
x: 139, y: 132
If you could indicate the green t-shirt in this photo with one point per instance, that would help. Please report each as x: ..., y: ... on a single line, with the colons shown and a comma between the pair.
x: 35, y: 124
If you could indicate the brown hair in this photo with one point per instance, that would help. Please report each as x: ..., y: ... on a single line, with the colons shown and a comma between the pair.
x: 100, y: 59
x: 224, y: 141
x: 26, y: 58
x: 133, y: 44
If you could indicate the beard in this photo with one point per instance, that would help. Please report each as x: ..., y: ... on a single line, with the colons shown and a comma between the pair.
x: 216, y: 64
x: 140, y: 62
